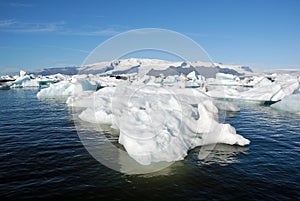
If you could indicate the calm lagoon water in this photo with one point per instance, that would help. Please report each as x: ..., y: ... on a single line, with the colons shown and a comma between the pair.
x: 43, y: 158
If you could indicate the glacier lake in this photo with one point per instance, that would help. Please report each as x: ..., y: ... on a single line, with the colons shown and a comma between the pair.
x: 42, y: 158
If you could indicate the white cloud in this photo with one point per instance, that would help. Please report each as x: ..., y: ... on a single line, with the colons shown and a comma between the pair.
x: 14, y: 48
x: 6, y: 23
x: 98, y: 32
x: 24, y: 27
x: 13, y: 26
x: 17, y: 4
x: 90, y: 30
x: 191, y: 34
x: 68, y: 48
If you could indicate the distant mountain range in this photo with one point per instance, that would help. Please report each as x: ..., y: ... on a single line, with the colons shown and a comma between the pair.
x: 153, y: 67
x: 56, y: 70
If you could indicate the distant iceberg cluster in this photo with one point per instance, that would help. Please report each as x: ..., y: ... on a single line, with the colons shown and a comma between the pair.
x: 163, y: 109
x: 260, y: 88
x: 23, y: 80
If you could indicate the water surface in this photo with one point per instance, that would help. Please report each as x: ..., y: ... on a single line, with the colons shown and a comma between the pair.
x: 43, y: 158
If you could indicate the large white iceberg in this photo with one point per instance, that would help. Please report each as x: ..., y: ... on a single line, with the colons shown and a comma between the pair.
x: 158, y: 124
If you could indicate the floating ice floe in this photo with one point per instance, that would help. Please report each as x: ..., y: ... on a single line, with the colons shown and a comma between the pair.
x: 67, y: 88
x: 226, y: 79
x: 20, y: 81
x: 264, y: 90
x: 289, y: 104
x: 157, y: 124
x: 191, y: 80
x: 27, y: 81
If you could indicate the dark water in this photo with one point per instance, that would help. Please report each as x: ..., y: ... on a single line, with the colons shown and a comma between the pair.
x: 42, y: 158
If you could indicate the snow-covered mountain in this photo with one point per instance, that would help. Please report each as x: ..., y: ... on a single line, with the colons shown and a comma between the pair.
x: 157, y: 67
x: 150, y: 67
x: 51, y: 71
x: 295, y: 72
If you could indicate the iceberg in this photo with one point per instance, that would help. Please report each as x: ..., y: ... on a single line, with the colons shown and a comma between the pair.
x: 155, y: 123
x: 226, y: 78
x: 82, y: 99
x: 66, y: 88
x: 226, y: 106
x: 289, y: 104
x: 20, y: 80
x: 263, y: 91
x: 25, y: 81
x: 288, y: 84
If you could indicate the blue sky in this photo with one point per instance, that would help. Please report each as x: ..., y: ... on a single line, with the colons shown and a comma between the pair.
x: 38, y: 34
